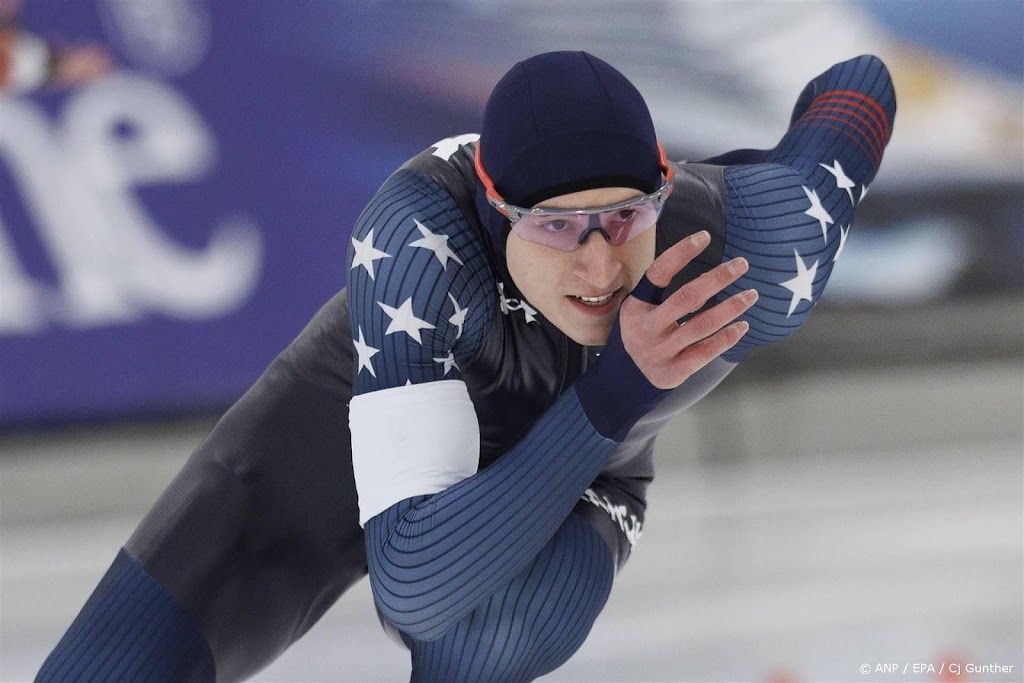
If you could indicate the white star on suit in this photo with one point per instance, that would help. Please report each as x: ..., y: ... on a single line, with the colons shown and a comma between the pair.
x: 863, y: 193
x: 447, y: 147
x: 843, y: 182
x: 843, y: 232
x: 817, y: 211
x: 436, y: 243
x: 449, y: 362
x: 366, y: 254
x: 801, y: 284
x: 403, y: 320
x: 459, y: 317
x: 366, y: 352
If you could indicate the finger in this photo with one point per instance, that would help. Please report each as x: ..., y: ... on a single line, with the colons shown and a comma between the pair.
x: 648, y: 292
x: 696, y: 356
x: 676, y: 257
x: 713, y: 319
x: 695, y: 293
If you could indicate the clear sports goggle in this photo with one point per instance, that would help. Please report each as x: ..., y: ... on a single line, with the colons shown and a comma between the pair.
x: 567, y: 229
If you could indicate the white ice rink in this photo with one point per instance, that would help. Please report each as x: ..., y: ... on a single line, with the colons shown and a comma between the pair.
x: 884, y: 525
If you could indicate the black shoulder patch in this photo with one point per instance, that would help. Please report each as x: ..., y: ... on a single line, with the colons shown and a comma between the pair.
x: 449, y: 163
x: 697, y: 203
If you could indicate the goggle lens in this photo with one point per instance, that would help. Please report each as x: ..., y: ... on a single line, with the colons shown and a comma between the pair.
x: 568, y: 229
x: 567, y: 232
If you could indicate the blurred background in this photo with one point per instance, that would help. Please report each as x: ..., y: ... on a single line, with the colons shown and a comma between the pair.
x: 178, y: 182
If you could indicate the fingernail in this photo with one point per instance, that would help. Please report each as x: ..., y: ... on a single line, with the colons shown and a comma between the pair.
x: 737, y: 265
x: 749, y: 296
x: 742, y: 326
x: 702, y: 237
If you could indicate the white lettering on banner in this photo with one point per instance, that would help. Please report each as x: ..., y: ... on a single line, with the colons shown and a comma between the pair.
x: 114, y: 261
x: 620, y: 514
x: 19, y: 310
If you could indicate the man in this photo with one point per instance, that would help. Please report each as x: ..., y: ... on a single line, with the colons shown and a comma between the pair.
x: 490, y: 384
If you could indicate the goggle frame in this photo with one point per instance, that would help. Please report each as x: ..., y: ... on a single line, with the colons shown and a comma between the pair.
x: 516, y: 213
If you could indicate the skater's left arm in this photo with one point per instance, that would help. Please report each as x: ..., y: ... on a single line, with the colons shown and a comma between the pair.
x: 789, y: 210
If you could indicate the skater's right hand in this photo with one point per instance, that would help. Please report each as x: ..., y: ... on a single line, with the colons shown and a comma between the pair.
x: 666, y: 352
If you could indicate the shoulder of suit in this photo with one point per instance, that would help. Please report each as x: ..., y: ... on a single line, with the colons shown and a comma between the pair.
x: 449, y: 163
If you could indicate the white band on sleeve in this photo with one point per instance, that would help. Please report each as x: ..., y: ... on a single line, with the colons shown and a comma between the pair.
x: 409, y: 441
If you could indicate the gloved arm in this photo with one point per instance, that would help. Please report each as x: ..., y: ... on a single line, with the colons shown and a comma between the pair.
x: 440, y: 536
x: 790, y: 216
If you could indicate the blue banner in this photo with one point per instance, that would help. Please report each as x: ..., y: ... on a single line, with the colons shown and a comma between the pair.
x: 176, y: 199
x: 179, y: 178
